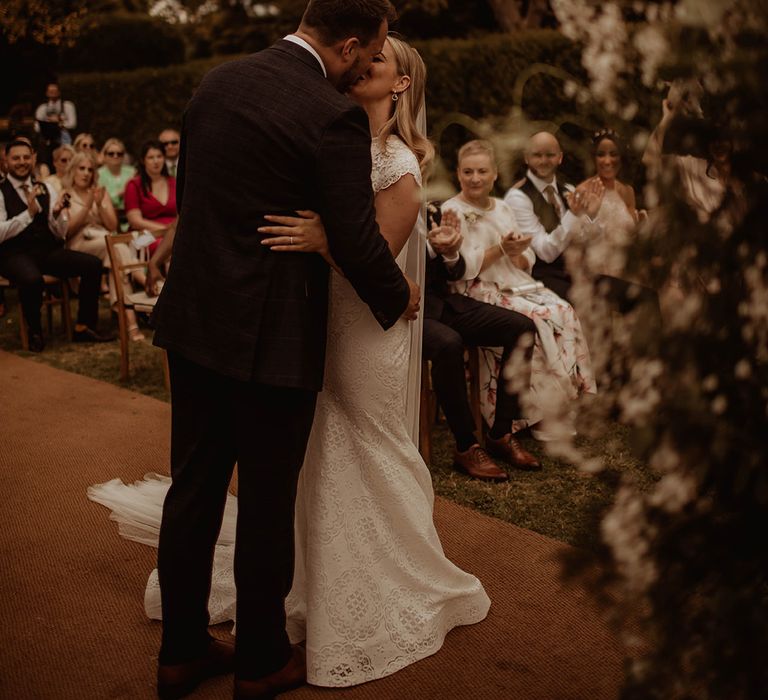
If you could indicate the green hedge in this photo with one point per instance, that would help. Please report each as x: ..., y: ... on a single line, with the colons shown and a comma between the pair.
x: 134, y: 105
x: 112, y: 42
x: 473, y: 77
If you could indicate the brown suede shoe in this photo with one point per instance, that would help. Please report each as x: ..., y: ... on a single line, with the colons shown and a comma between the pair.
x: 178, y: 680
x: 510, y: 449
x: 290, y: 676
x: 478, y: 464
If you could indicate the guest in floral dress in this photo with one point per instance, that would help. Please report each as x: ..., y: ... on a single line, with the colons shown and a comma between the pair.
x: 499, y: 261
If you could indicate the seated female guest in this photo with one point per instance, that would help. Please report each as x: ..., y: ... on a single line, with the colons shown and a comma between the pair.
x: 150, y: 197
x: 114, y: 176
x: 92, y: 218
x: 608, y: 227
x: 61, y: 157
x: 616, y: 215
x: 498, y: 264
x: 85, y: 143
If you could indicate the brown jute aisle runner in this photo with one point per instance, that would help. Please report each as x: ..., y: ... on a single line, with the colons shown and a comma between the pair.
x: 71, y: 589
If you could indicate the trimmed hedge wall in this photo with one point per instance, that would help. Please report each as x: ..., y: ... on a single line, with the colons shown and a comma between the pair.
x: 112, y: 42
x: 134, y: 105
x: 473, y: 77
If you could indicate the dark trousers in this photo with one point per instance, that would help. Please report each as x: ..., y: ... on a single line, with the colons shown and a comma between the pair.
x: 217, y: 422
x: 628, y: 296
x: 554, y: 278
x: 26, y: 270
x: 476, y: 324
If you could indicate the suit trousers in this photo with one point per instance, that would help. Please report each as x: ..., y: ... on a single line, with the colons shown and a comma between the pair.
x: 476, y: 324
x: 26, y: 269
x: 218, y: 421
x: 556, y: 280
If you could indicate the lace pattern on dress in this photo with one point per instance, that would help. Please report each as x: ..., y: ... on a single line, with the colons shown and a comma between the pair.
x: 391, y: 162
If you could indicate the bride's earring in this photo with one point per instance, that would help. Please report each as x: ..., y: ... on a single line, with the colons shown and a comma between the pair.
x: 395, y: 96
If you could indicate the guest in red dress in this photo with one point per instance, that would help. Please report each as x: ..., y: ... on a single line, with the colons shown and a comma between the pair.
x: 150, y: 197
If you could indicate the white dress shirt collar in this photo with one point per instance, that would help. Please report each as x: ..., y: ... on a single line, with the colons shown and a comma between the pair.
x: 18, y: 185
x: 301, y: 42
x: 541, y: 184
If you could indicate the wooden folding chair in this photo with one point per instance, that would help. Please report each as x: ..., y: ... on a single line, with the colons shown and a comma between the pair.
x: 428, y: 403
x: 138, y: 301
x: 55, y: 293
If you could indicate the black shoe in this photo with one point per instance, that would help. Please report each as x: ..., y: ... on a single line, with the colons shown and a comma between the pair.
x: 88, y: 335
x: 36, y: 342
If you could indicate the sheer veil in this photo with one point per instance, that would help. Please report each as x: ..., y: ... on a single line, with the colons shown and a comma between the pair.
x: 415, y: 269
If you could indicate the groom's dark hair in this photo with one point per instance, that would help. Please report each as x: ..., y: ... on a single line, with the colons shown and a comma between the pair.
x: 335, y: 20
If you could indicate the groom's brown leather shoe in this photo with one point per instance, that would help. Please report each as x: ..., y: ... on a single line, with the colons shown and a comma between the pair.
x: 178, y: 680
x: 512, y: 451
x: 478, y: 464
x: 290, y: 676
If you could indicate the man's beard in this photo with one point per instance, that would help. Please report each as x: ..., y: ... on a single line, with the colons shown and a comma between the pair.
x: 349, y: 76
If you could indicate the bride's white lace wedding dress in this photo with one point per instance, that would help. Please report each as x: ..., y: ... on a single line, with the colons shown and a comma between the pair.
x: 373, y: 590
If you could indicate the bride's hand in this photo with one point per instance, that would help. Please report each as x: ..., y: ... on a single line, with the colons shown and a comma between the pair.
x: 587, y: 198
x: 304, y: 233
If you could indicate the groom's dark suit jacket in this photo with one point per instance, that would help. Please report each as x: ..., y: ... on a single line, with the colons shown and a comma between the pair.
x: 269, y: 134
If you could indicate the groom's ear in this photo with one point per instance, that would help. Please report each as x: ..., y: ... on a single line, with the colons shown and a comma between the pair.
x: 350, y: 49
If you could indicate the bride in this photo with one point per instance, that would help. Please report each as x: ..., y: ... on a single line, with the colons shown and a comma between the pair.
x: 373, y: 590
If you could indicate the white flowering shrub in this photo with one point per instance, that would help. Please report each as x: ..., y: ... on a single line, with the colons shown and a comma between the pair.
x: 686, y: 561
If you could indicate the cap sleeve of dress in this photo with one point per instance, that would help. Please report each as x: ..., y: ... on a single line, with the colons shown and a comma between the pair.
x: 391, y: 162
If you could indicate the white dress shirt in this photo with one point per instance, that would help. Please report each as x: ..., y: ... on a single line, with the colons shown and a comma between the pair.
x: 66, y: 108
x: 547, y: 246
x: 305, y: 45
x: 10, y: 228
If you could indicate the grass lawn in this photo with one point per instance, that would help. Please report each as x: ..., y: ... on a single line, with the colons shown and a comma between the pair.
x: 560, y: 501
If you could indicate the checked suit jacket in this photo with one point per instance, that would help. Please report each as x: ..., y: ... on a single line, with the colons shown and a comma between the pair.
x: 268, y: 134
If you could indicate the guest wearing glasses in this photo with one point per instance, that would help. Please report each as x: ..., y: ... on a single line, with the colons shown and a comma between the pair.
x: 169, y: 138
x: 114, y: 176
x: 150, y: 197
x: 84, y: 142
x: 61, y: 158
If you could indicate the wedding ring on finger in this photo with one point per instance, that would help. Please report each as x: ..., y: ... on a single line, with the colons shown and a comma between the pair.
x: 291, y: 240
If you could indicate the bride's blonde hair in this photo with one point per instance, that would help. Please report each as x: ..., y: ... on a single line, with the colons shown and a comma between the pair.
x: 409, y: 108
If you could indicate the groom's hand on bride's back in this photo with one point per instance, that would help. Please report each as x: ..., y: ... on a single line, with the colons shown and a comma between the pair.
x: 411, y: 312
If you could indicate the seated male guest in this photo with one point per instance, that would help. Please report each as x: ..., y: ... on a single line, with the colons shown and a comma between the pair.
x: 32, y: 232
x: 452, y: 321
x: 542, y: 210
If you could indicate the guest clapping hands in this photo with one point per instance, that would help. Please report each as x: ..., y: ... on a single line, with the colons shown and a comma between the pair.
x: 498, y: 261
x: 92, y: 218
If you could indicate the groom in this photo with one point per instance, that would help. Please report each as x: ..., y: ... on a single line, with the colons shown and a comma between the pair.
x: 245, y: 328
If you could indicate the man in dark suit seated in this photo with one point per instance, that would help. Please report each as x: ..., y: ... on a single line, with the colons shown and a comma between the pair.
x: 32, y: 233
x: 452, y: 321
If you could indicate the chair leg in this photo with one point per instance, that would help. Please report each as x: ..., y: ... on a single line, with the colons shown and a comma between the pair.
x: 166, y: 371
x: 426, y: 419
x: 474, y: 392
x: 23, y: 330
x: 123, y: 326
x: 49, y: 300
x: 66, y: 310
